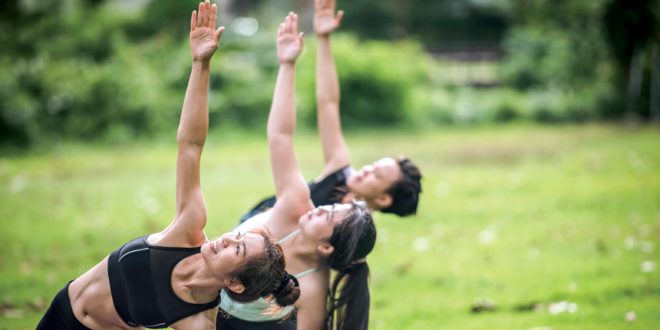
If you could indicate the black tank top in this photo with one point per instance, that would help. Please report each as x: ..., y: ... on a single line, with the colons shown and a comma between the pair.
x: 140, y: 283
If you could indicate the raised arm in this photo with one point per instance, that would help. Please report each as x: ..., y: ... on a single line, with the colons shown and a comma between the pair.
x: 290, y: 187
x: 193, y: 125
x: 335, y: 151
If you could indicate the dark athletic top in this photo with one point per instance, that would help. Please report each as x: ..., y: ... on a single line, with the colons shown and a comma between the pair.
x: 326, y: 191
x: 140, y: 283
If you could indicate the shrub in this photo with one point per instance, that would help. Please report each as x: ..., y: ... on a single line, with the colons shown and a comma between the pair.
x: 377, y: 80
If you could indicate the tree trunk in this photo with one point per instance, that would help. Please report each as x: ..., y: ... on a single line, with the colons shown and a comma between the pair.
x: 654, y: 102
x: 634, y: 86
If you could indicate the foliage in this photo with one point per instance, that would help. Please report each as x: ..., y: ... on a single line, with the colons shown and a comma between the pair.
x: 108, y: 82
x: 377, y: 87
x: 438, y: 24
x: 561, y: 48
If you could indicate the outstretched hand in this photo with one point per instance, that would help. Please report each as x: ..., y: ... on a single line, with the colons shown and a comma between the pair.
x: 325, y: 20
x: 204, y: 38
x: 289, y: 41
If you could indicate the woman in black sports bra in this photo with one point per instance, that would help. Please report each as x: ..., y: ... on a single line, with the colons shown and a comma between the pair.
x: 172, y: 278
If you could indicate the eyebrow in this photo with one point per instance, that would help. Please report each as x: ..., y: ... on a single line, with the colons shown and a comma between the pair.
x: 331, y: 214
x: 244, y: 249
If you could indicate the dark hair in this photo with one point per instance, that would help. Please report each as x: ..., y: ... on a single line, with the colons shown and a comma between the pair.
x: 265, y: 274
x: 352, y: 240
x: 405, y: 192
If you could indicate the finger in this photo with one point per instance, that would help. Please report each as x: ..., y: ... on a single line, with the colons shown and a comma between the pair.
x: 301, y: 39
x: 280, y: 31
x: 207, y: 17
x: 200, y: 14
x: 294, y: 24
x: 214, y: 16
x: 287, y: 24
x: 193, y: 21
x: 339, y: 18
x: 218, y: 33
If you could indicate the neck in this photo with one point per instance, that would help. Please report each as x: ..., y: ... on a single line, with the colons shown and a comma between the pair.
x: 301, y: 254
x: 195, y: 277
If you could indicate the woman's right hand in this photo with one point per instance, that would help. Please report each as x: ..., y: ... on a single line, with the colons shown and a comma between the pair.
x: 325, y: 20
x: 204, y: 38
x: 289, y: 41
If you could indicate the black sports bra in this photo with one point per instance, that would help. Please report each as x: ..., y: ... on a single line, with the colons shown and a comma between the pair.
x: 140, y: 283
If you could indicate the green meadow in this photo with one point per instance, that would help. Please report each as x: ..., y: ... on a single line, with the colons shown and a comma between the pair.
x: 519, y: 227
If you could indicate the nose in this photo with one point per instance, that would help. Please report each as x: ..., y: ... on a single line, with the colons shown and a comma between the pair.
x: 228, y: 239
x: 325, y: 208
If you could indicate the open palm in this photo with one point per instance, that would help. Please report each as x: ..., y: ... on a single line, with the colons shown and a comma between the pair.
x: 289, y: 41
x: 325, y: 20
x: 204, y: 38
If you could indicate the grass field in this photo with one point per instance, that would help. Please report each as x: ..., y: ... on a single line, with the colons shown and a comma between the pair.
x: 539, y: 227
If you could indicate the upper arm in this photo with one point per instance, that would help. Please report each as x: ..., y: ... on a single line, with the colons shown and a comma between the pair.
x: 290, y: 187
x: 311, y: 308
x: 191, y: 213
x: 335, y: 150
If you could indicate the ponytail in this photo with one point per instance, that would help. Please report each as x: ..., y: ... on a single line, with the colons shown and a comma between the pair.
x: 288, y: 291
x: 350, y: 310
x: 352, y: 240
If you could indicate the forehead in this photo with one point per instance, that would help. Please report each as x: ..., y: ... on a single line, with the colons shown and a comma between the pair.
x: 337, y: 207
x: 387, y: 166
x: 254, y: 243
x: 341, y: 211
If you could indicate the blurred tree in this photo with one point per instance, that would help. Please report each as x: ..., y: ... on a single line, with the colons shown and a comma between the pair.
x: 443, y: 25
x: 599, y: 49
x: 631, y: 28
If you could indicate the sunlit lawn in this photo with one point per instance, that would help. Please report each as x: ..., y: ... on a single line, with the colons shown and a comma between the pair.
x: 521, y: 217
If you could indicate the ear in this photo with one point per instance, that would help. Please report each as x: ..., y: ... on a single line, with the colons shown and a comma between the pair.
x: 234, y: 285
x: 326, y: 249
x: 382, y: 202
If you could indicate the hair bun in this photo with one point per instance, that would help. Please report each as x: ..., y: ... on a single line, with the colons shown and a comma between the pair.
x: 288, y: 291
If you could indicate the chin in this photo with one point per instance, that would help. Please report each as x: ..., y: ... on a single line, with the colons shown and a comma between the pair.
x: 302, y: 219
x: 350, y: 182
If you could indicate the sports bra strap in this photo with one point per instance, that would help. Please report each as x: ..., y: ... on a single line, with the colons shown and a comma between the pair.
x: 306, y: 272
x: 291, y: 234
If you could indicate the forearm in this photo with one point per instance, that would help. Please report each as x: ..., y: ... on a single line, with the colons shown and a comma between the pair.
x: 194, y: 122
x: 282, y: 117
x: 327, y: 81
x: 281, y: 127
x: 335, y: 151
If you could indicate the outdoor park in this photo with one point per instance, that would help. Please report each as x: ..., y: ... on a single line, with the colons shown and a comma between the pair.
x: 534, y: 124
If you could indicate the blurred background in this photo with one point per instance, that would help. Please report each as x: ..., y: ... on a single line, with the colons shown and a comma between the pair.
x: 116, y: 69
x: 534, y: 123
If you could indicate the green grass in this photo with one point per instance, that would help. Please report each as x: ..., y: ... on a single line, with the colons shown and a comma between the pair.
x: 524, y: 216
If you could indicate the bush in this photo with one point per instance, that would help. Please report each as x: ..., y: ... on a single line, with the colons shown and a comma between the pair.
x: 378, y: 81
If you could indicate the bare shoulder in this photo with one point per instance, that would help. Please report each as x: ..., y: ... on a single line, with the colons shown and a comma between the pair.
x: 315, y: 284
x: 313, y: 291
x: 312, y: 302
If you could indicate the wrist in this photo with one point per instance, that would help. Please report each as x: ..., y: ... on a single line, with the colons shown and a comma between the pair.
x: 288, y: 64
x: 323, y: 36
x: 204, y: 63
